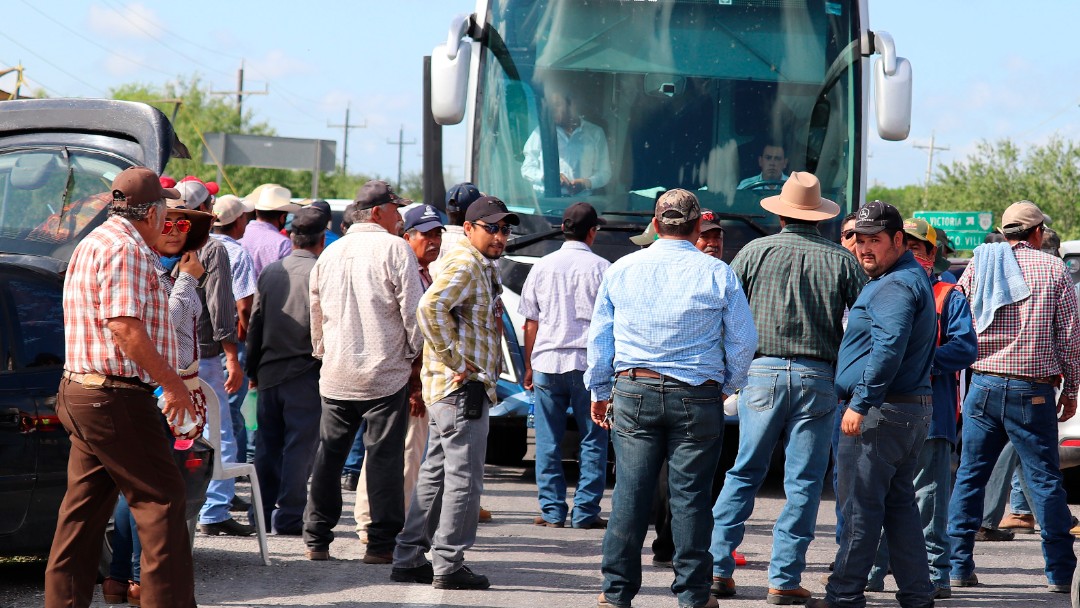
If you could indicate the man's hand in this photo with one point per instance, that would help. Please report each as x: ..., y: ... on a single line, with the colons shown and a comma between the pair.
x: 564, y: 181
x: 177, y: 402
x: 580, y: 184
x: 252, y: 384
x: 527, y: 380
x: 600, y: 413
x: 1067, y: 406
x: 460, y: 377
x: 236, y: 375
x: 852, y: 423
x: 417, y: 409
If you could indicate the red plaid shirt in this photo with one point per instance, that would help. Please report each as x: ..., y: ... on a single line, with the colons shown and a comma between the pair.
x: 1039, y: 336
x: 114, y: 273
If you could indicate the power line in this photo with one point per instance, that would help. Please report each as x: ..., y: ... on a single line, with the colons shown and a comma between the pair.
x: 53, y: 65
x: 929, y: 164
x: 154, y: 37
x: 400, y: 143
x: 173, y: 34
x: 345, y: 148
x: 95, y: 43
x: 37, y: 83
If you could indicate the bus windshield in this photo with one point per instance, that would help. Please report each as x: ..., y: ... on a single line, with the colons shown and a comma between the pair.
x: 615, y: 101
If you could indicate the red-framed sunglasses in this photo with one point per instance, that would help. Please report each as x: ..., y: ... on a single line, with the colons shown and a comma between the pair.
x: 181, y: 225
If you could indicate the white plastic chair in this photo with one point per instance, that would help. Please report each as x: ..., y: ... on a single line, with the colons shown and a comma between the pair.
x: 231, y: 470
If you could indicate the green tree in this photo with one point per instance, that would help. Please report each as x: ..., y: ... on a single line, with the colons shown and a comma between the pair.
x: 1000, y: 173
x: 194, y: 112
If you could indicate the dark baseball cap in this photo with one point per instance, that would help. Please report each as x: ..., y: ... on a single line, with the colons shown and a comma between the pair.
x: 309, y: 220
x: 876, y: 216
x: 460, y: 196
x: 423, y: 218
x: 138, y: 186
x: 375, y: 193
x: 322, y: 206
x: 490, y: 210
x: 580, y: 217
x: 710, y: 221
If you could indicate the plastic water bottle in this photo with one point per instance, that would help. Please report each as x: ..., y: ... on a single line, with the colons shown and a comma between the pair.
x: 185, y: 426
x: 530, y: 421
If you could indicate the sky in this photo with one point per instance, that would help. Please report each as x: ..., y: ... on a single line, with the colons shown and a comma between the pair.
x: 982, y: 71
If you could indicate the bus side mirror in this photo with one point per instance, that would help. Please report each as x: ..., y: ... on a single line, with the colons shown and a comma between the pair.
x: 450, y: 74
x: 892, y: 90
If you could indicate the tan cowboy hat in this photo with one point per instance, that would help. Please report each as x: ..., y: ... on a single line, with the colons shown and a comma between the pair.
x: 801, y: 199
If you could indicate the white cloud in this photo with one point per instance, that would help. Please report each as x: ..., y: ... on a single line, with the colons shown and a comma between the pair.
x: 276, y: 64
x: 132, y: 21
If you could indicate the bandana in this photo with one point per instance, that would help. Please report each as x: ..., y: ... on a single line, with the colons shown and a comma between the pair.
x: 925, y: 262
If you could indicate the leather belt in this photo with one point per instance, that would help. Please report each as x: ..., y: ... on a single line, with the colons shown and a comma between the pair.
x: 105, y: 381
x: 793, y: 357
x: 641, y: 372
x: 1047, y: 380
x: 902, y: 398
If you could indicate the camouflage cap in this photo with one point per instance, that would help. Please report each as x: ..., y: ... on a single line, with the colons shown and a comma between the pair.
x: 676, y: 207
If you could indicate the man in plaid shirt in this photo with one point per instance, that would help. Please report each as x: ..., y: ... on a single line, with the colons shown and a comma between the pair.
x: 119, y: 342
x: 1029, y: 348
x: 460, y: 316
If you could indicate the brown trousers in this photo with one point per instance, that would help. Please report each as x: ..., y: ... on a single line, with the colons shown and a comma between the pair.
x: 118, y: 441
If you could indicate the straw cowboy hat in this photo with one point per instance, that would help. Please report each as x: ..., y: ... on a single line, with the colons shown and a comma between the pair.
x: 801, y: 199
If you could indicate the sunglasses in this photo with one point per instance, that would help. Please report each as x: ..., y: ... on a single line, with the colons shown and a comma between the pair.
x: 494, y: 229
x: 849, y: 234
x: 181, y: 225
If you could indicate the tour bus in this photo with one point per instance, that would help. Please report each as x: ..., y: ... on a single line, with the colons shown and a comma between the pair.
x: 655, y: 94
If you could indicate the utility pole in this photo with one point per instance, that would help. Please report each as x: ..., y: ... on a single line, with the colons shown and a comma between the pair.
x: 929, y: 165
x: 240, y: 92
x: 400, y: 143
x: 345, y: 151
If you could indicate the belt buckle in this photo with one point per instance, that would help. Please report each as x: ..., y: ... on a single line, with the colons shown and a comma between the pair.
x: 93, y: 380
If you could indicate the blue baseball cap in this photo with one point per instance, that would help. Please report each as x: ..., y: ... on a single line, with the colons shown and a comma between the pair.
x: 423, y: 218
x: 460, y: 196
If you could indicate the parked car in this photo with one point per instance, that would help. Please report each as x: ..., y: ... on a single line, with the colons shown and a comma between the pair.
x: 57, y: 161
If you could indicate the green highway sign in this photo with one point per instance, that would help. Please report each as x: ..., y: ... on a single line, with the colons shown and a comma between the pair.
x: 965, y: 240
x: 966, y: 229
x: 959, y: 220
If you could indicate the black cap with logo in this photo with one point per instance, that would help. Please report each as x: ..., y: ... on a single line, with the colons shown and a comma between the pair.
x: 876, y: 216
x: 490, y: 210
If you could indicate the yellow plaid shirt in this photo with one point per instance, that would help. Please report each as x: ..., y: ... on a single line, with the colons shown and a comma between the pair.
x: 460, y: 316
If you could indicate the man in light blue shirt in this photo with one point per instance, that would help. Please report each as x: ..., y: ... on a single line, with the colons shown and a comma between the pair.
x: 557, y: 302
x: 673, y: 329
x: 772, y: 162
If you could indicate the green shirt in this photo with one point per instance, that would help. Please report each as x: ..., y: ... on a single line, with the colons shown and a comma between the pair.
x: 798, y: 284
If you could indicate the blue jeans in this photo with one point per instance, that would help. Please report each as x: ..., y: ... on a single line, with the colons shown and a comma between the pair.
x: 236, y: 401
x: 555, y: 393
x: 933, y: 483
x: 220, y: 492
x: 998, y: 410
x: 126, y: 548
x: 875, y: 487
x: 788, y: 400
x: 656, y: 421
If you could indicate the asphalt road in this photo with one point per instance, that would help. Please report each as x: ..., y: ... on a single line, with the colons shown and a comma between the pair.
x: 529, y: 566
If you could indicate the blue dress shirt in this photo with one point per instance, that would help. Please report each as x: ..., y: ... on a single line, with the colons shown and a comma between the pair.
x: 675, y: 311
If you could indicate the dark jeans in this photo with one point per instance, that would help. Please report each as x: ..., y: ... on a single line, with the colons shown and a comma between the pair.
x: 117, y: 442
x: 997, y: 410
x: 657, y: 422
x: 875, y: 488
x: 288, y: 436
x: 384, y: 441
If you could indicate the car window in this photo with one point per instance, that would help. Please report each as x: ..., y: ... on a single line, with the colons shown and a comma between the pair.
x: 51, y: 197
x: 39, y: 320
